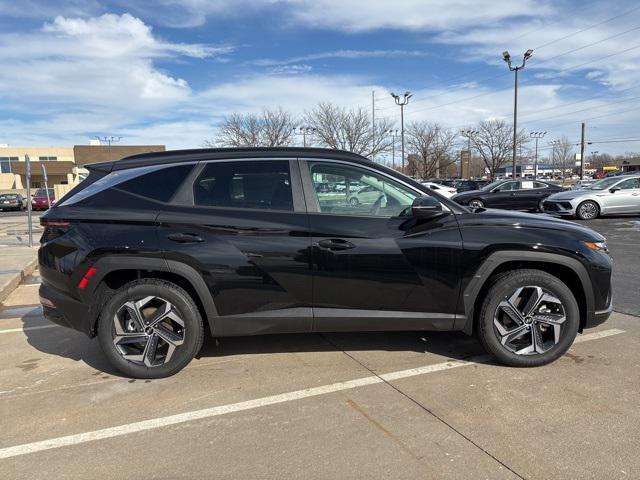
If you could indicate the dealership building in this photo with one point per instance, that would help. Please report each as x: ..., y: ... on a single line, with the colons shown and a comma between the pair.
x: 64, y: 165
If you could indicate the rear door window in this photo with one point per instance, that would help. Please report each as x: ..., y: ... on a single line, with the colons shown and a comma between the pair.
x: 245, y: 184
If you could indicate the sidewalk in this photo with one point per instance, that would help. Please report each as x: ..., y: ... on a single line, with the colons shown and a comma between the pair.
x: 16, y: 263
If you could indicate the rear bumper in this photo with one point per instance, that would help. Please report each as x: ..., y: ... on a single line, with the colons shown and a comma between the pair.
x: 62, y: 309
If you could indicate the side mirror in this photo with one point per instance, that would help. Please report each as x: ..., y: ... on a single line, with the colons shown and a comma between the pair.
x: 426, y: 207
x: 614, y: 189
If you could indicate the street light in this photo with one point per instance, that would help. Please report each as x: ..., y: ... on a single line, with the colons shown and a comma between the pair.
x: 402, y: 103
x: 304, y: 131
x: 468, y: 132
x: 393, y: 133
x: 507, y: 58
x: 537, y: 136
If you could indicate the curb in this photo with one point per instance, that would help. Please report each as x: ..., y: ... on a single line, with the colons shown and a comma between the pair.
x: 16, y: 279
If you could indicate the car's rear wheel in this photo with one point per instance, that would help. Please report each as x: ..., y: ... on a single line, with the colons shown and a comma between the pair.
x: 354, y: 201
x: 529, y: 318
x: 150, y: 328
x: 588, y: 210
x: 476, y: 203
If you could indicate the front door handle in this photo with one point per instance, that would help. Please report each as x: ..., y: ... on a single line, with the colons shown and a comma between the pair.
x: 185, y: 238
x: 335, y: 244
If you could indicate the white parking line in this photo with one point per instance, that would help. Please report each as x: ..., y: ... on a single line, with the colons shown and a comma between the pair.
x: 26, y: 329
x: 161, y: 422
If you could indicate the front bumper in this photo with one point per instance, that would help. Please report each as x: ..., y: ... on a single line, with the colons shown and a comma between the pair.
x: 563, y: 208
x: 60, y: 308
x: 599, y: 317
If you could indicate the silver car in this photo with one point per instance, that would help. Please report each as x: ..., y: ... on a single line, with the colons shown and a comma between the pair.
x: 609, y: 196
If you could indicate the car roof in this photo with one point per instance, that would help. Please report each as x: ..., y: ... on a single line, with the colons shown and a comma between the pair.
x: 194, y: 155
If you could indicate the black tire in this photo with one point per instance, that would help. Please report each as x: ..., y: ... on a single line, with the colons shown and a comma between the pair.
x: 193, y: 331
x: 502, y: 287
x: 476, y: 203
x: 585, y: 209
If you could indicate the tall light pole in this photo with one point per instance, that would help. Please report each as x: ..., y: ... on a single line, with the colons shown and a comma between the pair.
x: 537, y: 136
x: 467, y: 132
x: 554, y: 144
x: 516, y: 69
x: 402, y: 103
x: 393, y: 134
x: 304, y: 131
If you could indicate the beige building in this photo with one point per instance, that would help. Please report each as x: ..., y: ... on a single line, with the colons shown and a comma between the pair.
x: 64, y: 165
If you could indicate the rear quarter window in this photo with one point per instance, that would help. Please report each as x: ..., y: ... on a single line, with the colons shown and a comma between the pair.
x: 160, y: 185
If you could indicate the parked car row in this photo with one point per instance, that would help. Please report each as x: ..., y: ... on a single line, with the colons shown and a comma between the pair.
x: 40, y: 200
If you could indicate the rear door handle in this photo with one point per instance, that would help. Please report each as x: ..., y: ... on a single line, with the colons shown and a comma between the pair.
x: 185, y: 238
x: 335, y: 244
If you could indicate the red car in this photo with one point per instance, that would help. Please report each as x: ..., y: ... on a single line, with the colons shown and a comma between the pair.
x: 39, y: 199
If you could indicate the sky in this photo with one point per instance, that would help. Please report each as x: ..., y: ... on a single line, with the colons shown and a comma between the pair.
x: 169, y: 71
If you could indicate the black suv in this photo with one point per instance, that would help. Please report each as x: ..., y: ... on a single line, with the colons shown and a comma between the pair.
x: 150, y: 250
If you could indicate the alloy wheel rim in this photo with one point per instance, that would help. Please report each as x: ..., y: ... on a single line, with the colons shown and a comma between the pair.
x: 475, y: 204
x: 529, y: 321
x: 588, y: 210
x: 148, y: 331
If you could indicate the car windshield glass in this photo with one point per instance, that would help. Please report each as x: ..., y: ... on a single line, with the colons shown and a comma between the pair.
x: 41, y: 192
x: 491, y: 186
x: 604, y: 183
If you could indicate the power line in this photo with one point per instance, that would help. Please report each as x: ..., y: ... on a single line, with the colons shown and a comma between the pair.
x: 587, y: 28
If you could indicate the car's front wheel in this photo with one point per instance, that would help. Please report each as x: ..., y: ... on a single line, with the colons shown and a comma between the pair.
x: 529, y: 318
x: 588, y: 210
x: 476, y: 203
x: 150, y: 328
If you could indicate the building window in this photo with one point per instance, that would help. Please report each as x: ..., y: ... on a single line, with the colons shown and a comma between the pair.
x: 5, y: 164
x: 49, y: 159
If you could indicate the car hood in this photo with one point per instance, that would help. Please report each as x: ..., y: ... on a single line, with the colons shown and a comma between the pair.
x: 570, y: 194
x: 491, y: 216
x: 468, y: 193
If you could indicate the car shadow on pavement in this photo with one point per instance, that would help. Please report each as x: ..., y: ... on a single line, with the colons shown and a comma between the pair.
x: 68, y: 343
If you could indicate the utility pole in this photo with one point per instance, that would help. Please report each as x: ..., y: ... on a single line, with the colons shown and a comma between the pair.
x: 507, y: 58
x: 108, y: 139
x: 437, y: 154
x: 468, y: 132
x: 582, y: 152
x: 537, y: 136
x: 373, y: 123
x: 402, y: 103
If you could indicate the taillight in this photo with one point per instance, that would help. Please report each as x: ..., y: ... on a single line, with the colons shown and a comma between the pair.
x: 84, y: 281
x: 53, y: 229
x: 53, y: 223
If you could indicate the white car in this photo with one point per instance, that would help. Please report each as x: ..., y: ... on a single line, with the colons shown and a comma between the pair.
x: 443, y: 190
x: 609, y: 196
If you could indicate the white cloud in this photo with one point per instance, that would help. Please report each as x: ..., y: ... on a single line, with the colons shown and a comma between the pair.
x: 344, y: 54
x: 107, y: 61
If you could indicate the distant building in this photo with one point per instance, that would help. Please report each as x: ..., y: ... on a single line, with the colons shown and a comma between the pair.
x: 631, y: 165
x: 64, y: 165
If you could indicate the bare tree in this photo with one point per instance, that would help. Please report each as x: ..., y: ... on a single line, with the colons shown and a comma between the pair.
x: 271, y: 128
x: 430, y: 148
x: 350, y: 130
x: 494, y: 142
x: 563, y: 154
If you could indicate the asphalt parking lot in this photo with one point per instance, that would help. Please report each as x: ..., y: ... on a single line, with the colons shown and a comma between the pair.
x: 384, y: 405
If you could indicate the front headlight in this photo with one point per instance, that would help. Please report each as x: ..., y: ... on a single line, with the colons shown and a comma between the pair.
x: 596, y: 246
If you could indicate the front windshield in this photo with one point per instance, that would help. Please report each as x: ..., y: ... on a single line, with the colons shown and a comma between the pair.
x: 604, y: 183
x: 491, y: 186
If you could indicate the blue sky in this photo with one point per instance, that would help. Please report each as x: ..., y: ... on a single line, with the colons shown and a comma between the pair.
x: 167, y: 71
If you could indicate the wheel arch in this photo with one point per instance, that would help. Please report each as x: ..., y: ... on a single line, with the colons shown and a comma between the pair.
x: 112, y: 272
x: 567, y: 269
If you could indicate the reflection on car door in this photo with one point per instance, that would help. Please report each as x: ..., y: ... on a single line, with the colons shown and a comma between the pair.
x: 374, y: 268
x: 627, y: 199
x: 504, y: 197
